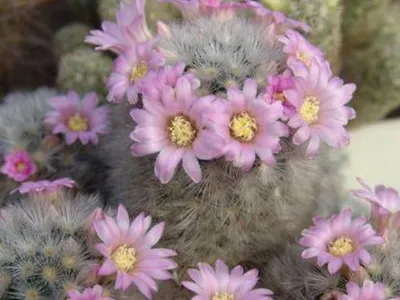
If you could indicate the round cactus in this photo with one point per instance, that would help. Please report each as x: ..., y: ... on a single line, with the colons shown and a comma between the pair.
x: 84, y: 71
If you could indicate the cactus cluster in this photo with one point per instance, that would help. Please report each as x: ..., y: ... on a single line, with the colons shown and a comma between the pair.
x: 44, y: 249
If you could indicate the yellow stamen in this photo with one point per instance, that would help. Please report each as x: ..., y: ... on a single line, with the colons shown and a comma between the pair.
x: 341, y: 246
x: 304, y: 58
x: 21, y: 166
x: 280, y: 97
x: 243, y: 127
x: 124, y: 258
x: 181, y: 131
x: 138, y: 71
x: 310, y: 109
x: 223, y: 296
x: 78, y: 123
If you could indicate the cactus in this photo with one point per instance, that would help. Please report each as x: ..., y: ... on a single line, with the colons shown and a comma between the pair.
x: 84, y: 70
x: 44, y: 247
x: 373, y: 63
x: 21, y: 127
x: 230, y: 213
x: 70, y: 38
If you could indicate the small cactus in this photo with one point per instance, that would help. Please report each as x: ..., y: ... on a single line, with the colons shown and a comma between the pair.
x: 84, y: 71
x: 70, y: 38
x: 43, y: 246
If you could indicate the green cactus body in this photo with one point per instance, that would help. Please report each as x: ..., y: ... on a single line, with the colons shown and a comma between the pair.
x: 84, y: 71
x: 374, y: 65
x: 70, y: 37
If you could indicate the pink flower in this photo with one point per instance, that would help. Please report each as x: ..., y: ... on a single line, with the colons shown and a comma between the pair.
x: 154, y: 84
x: 130, y: 68
x: 276, y: 85
x: 338, y: 241
x: 130, y: 29
x: 77, y: 119
x: 250, y: 126
x: 175, y: 128
x: 301, y: 52
x: 385, y: 203
x: 94, y: 293
x: 281, y: 22
x: 128, y: 251
x: 44, y: 186
x: 224, y: 285
x: 18, y: 165
x: 369, y: 291
x: 321, y: 113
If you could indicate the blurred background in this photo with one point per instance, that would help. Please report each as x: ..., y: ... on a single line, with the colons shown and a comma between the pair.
x: 41, y: 44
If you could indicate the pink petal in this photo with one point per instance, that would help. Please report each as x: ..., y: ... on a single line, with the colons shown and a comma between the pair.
x: 191, y: 166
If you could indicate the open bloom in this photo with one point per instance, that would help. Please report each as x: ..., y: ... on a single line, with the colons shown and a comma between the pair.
x: 77, y: 119
x: 249, y: 125
x: 130, y: 28
x: 276, y: 85
x: 18, y: 165
x: 321, y: 114
x: 94, y: 293
x: 154, y: 84
x: 300, y: 52
x: 175, y: 128
x: 220, y: 284
x: 130, y: 68
x: 128, y: 251
x: 339, y: 240
x: 44, y: 186
x: 369, y: 291
x: 385, y: 203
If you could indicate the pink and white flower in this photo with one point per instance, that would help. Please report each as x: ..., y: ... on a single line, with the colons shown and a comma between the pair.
x: 154, y: 84
x: 130, y: 28
x: 385, y: 203
x: 276, y: 85
x: 220, y: 284
x: 300, y: 52
x: 78, y: 119
x: 18, y: 165
x: 369, y: 291
x: 128, y: 251
x: 44, y: 186
x: 339, y: 241
x: 130, y: 69
x: 175, y: 128
x: 321, y: 114
x: 249, y: 125
x: 94, y: 293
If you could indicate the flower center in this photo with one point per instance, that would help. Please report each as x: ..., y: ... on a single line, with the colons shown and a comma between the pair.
x: 181, y: 131
x: 124, y: 258
x: 280, y: 97
x: 341, y: 246
x: 243, y: 127
x: 21, y: 166
x: 78, y: 123
x: 223, y: 296
x: 310, y: 109
x: 138, y: 71
x: 304, y: 58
